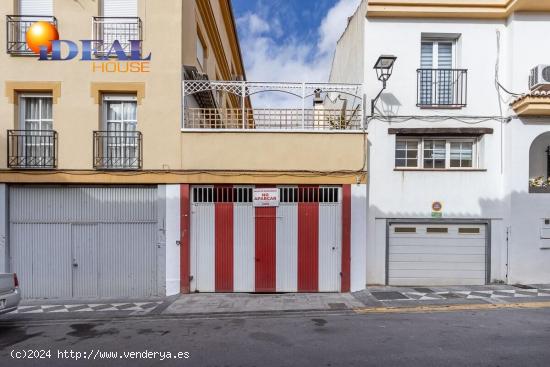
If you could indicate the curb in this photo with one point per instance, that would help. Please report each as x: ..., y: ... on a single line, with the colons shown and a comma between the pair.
x: 453, y: 308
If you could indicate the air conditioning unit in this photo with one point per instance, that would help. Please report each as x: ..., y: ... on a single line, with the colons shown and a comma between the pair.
x: 540, y: 78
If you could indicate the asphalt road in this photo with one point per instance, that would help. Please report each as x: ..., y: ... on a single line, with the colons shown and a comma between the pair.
x: 474, y: 338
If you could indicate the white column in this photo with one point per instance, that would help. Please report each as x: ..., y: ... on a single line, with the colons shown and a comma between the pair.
x: 358, y: 237
x: 172, y: 239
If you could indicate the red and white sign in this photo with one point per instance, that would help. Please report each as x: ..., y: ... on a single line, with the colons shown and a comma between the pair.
x: 266, y: 197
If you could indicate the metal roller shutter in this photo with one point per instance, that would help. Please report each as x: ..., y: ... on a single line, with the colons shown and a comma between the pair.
x: 76, y: 241
x: 437, y: 254
x: 294, y: 247
x: 36, y: 7
x: 120, y: 8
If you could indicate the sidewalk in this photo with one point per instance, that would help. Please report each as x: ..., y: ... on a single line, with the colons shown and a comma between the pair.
x: 205, y: 303
x: 373, y: 299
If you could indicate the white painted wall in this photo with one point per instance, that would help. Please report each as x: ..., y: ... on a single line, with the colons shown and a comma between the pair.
x: 172, y: 235
x: 499, y: 192
x: 347, y: 64
x: 358, y: 250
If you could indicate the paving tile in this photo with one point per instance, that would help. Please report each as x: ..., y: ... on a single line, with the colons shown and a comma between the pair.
x: 386, y: 296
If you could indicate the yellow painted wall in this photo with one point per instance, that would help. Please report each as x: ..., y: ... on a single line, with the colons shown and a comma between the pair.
x: 169, y: 29
x: 76, y: 114
x: 273, y: 151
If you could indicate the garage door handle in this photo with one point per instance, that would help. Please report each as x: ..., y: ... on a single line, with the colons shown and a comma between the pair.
x: 75, y: 264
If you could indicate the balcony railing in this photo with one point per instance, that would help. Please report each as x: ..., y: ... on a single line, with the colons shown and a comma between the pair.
x: 122, y: 29
x: 118, y: 150
x: 32, y: 149
x: 442, y: 88
x: 272, y: 119
x: 16, y: 32
x: 324, y: 106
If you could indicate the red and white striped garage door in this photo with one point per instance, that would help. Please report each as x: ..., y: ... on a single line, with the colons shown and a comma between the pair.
x: 294, y: 247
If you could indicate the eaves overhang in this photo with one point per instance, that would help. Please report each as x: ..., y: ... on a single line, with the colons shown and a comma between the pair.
x: 532, y: 104
x: 464, y: 9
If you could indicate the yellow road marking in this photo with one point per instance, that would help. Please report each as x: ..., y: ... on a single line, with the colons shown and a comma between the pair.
x: 452, y: 308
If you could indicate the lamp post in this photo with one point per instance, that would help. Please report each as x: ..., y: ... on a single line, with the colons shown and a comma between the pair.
x: 384, y: 69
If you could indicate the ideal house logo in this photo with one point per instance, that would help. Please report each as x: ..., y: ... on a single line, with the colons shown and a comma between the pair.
x: 43, y: 39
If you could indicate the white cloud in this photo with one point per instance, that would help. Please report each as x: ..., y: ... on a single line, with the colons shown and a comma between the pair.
x: 334, y: 24
x: 296, y: 60
x: 254, y: 24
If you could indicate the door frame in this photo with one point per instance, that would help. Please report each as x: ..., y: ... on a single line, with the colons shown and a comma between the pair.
x: 486, y: 222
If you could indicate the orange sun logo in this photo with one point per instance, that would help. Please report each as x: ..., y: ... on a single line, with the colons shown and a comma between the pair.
x: 41, y: 34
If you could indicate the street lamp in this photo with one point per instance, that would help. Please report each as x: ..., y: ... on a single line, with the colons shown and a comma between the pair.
x: 384, y: 69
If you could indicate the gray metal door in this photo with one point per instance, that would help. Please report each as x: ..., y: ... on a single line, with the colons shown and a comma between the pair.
x: 437, y: 254
x: 84, y: 241
x: 84, y: 263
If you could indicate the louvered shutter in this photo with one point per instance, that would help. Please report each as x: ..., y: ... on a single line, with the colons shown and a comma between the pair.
x: 36, y: 7
x: 120, y: 8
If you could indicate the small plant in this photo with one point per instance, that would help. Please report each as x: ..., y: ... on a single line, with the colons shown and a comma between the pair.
x: 539, y: 181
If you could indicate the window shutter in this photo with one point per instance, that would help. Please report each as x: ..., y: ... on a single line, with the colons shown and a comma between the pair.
x: 120, y: 8
x: 445, y: 55
x: 36, y: 7
x: 426, y: 58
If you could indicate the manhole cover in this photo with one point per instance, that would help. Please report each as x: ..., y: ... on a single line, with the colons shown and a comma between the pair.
x: 388, y: 296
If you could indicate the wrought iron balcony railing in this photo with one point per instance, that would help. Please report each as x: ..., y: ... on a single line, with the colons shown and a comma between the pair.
x: 272, y: 119
x: 32, y: 149
x: 16, y: 32
x: 120, y: 150
x: 321, y: 106
x: 106, y: 30
x: 442, y: 88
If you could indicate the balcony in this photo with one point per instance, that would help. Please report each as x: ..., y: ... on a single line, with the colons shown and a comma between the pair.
x: 16, y: 27
x: 118, y: 150
x: 122, y: 29
x: 312, y: 107
x: 32, y: 149
x: 272, y: 119
x: 441, y: 88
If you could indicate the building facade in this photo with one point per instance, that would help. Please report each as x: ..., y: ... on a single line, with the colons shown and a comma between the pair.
x: 151, y: 177
x: 457, y: 141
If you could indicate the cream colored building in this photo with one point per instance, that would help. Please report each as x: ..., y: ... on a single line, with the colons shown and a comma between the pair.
x: 98, y: 163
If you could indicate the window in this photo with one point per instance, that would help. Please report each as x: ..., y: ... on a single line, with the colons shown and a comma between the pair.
x: 36, y: 7
x: 462, y: 154
x: 406, y: 153
x: 119, y: 8
x: 119, y: 21
x: 201, y: 52
x: 120, y: 136
x: 35, y: 142
x: 36, y: 112
x: 434, y: 153
x: 440, y: 153
x: 440, y: 83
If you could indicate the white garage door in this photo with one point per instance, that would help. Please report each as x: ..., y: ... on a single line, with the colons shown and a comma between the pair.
x: 437, y: 254
x: 84, y: 241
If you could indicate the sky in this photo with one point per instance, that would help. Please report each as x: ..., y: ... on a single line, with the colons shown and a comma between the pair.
x: 290, y: 40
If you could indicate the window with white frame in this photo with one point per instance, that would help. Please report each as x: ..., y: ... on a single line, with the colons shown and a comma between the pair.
x: 120, y: 145
x: 436, y: 153
x: 35, y: 142
x: 406, y: 153
x: 35, y: 112
x: 437, y: 79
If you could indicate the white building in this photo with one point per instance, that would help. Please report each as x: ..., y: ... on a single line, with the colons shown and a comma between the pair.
x: 450, y: 151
